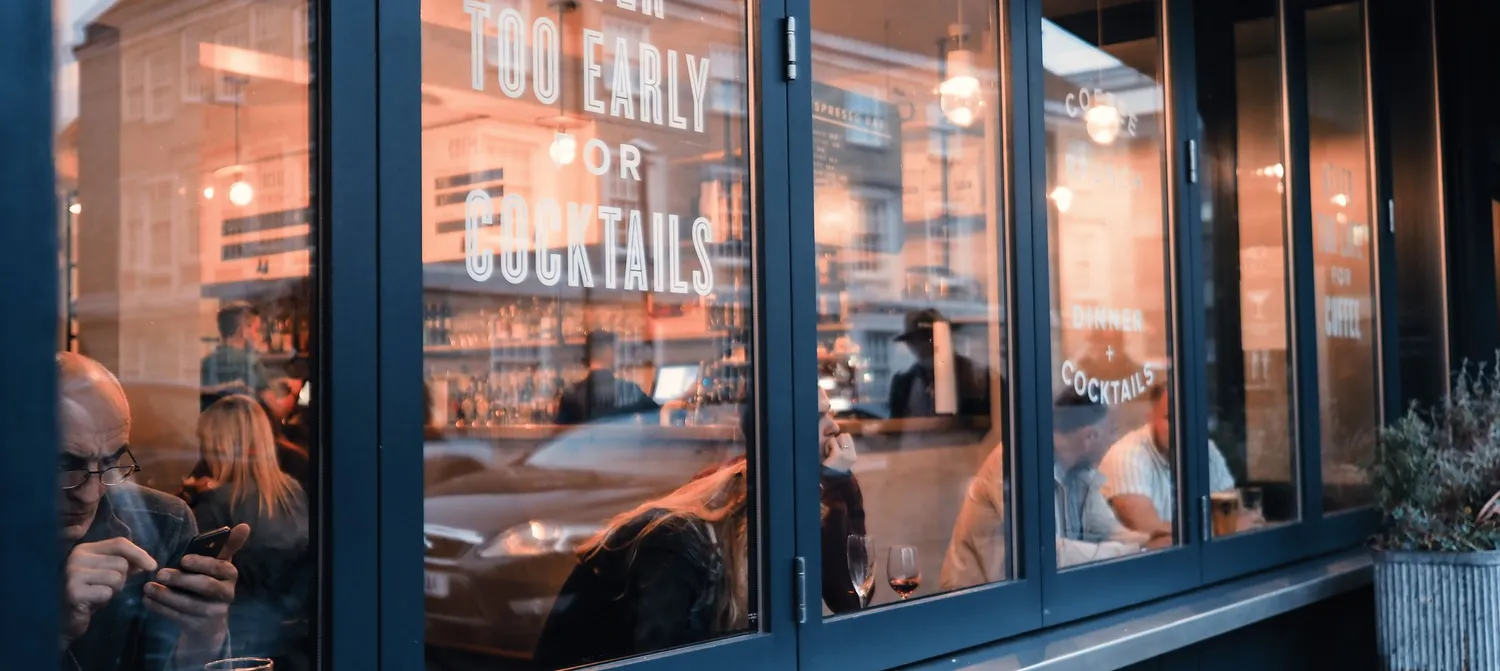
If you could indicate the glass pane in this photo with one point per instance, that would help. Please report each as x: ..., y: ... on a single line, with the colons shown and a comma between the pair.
x: 1338, y: 155
x: 588, y: 272
x: 908, y: 211
x: 1245, y: 262
x: 185, y: 173
x: 1115, y: 472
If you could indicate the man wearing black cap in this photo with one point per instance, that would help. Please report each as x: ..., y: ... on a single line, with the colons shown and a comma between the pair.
x: 913, y: 390
x: 600, y: 394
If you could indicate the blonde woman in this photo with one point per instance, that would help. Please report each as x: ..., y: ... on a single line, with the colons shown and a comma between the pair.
x: 245, y: 484
x: 670, y: 572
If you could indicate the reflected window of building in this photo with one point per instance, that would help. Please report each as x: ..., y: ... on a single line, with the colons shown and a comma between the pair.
x: 912, y: 254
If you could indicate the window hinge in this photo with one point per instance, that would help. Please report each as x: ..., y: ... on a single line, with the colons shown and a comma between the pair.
x: 791, y: 48
x: 1192, y: 157
x: 799, y: 583
x: 1207, y: 519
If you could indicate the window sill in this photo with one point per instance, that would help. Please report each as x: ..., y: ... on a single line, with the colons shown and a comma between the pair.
x: 1119, y: 639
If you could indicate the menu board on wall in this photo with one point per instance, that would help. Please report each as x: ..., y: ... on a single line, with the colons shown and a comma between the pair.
x: 856, y: 149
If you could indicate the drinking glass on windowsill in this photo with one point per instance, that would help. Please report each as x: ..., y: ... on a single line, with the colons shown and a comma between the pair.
x: 902, y: 570
x: 861, y: 567
x: 240, y: 664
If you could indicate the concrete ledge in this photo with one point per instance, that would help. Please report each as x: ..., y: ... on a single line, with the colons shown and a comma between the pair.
x: 1122, y: 638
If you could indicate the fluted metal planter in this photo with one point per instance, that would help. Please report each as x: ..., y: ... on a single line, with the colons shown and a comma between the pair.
x: 1438, y: 611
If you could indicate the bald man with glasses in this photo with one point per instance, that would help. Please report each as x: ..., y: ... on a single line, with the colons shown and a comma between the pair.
x: 126, y: 608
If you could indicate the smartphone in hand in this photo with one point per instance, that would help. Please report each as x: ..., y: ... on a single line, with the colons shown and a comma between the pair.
x: 208, y: 544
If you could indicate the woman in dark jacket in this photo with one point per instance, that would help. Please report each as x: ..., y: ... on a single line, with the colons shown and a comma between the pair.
x: 268, y: 617
x: 671, y: 572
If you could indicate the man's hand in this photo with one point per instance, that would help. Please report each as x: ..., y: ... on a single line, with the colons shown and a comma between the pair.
x: 197, y: 595
x: 94, y: 574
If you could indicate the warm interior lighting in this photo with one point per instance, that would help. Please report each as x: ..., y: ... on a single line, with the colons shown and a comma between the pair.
x: 240, y: 193
x: 1103, y: 122
x: 958, y: 95
x: 75, y: 208
x: 1063, y: 196
x: 1339, y: 199
x: 208, y: 193
x: 564, y: 149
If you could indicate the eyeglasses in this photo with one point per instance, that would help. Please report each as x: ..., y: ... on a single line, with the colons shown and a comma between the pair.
x: 114, y: 475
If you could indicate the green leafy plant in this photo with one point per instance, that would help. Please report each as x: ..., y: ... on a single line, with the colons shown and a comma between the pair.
x: 1437, y: 472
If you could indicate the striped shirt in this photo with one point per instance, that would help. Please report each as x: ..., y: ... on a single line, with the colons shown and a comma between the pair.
x: 1134, y: 466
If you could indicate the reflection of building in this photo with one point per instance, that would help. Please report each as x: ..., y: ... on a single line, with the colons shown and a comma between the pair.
x: 906, y: 216
x: 193, y: 182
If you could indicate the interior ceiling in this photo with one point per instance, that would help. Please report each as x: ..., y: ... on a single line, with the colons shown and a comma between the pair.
x: 913, y: 27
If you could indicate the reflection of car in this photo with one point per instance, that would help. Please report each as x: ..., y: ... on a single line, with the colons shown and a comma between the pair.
x: 500, y: 541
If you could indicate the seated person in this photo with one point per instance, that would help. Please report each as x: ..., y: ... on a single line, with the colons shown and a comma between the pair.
x: 1087, y: 529
x: 122, y: 608
x: 673, y: 571
x: 1138, y: 471
x: 600, y: 394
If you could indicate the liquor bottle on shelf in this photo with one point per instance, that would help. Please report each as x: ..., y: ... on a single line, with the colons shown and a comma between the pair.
x: 445, y: 324
x: 517, y: 321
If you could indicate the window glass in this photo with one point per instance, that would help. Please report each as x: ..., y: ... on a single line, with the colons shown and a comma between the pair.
x: 908, y: 216
x: 186, y: 343
x: 1245, y: 262
x: 588, y: 309
x: 1115, y: 472
x: 1343, y: 251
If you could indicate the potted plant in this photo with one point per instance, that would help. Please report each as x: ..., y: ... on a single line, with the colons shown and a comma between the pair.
x: 1436, y: 474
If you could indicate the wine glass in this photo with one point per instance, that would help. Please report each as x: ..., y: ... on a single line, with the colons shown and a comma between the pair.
x: 861, y: 567
x: 901, y: 568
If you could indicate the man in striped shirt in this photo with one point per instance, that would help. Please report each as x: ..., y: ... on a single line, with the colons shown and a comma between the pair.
x: 1138, y: 471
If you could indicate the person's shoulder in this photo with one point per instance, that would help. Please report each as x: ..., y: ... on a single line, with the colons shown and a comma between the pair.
x: 1129, y: 448
x: 151, y: 515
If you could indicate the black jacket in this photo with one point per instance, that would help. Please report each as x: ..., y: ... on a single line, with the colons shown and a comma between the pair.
x: 601, y: 395
x: 973, y: 388
x: 638, y: 595
x: 846, y: 515
x: 276, y: 572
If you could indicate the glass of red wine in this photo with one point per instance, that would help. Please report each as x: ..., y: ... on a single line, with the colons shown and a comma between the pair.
x: 901, y: 568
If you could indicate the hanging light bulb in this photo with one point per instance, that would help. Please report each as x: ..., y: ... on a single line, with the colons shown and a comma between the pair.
x: 208, y: 193
x: 1103, y: 122
x: 958, y: 95
x: 240, y: 193
x: 564, y: 148
x: 1063, y: 197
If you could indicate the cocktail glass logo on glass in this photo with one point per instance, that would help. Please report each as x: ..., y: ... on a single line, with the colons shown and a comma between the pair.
x: 644, y: 88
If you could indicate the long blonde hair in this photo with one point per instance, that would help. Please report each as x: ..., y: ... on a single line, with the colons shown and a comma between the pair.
x: 234, y: 435
x: 719, y: 500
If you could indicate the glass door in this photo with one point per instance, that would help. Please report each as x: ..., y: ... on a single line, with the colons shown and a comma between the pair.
x: 598, y: 478
x: 1247, y: 257
x: 903, y: 352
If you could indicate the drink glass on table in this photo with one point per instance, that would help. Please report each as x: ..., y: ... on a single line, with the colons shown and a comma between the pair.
x: 1226, y: 512
x: 861, y: 567
x: 901, y: 568
x: 240, y: 664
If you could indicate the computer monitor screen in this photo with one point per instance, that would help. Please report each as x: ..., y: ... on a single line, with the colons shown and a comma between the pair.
x: 672, y: 382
